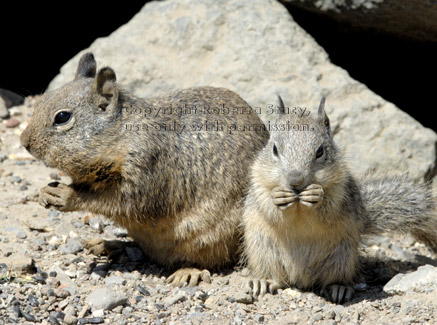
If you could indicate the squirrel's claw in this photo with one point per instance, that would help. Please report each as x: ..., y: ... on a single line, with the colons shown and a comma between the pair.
x: 311, y: 195
x: 338, y: 293
x: 283, y: 197
x: 259, y: 287
x: 188, y: 277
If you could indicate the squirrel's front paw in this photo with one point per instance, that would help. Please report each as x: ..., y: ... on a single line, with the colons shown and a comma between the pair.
x: 283, y: 197
x: 259, y: 287
x: 55, y: 195
x: 311, y: 195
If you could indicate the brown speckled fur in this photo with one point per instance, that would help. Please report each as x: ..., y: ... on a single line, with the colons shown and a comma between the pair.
x: 310, y: 247
x: 178, y: 194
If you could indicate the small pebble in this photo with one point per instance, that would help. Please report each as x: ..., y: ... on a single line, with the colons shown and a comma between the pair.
x: 120, y: 232
x: 53, y: 213
x: 174, y: 299
x: 62, y: 293
x: 16, y: 309
x: 59, y: 315
x: 243, y: 298
x: 16, y: 179
x: 21, y: 235
x: 70, y: 319
x: 32, y: 300
x: 317, y: 317
x: 91, y: 320
x: 53, y: 320
x: 77, y: 224
x: 39, y: 279
x: 55, y: 176
x: 115, y: 280
x: 106, y: 299
x: 259, y: 318
x: 99, y: 313
x: 72, y: 246
x: 142, y: 290
x: 12, y: 123
x: 28, y: 317
x: 96, y: 224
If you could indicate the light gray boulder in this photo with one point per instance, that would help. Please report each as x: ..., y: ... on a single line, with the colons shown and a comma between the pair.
x: 424, y: 279
x: 256, y: 49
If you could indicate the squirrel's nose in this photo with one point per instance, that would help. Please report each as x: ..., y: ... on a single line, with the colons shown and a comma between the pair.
x: 25, y: 140
x: 296, y: 179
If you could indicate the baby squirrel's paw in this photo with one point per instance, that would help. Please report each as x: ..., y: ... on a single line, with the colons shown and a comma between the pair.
x: 188, y: 276
x: 55, y: 195
x: 259, y: 287
x: 338, y: 293
x: 283, y: 197
x: 311, y: 195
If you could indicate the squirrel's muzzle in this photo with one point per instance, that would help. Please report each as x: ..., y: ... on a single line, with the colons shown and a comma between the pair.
x: 296, y: 180
x: 25, y: 139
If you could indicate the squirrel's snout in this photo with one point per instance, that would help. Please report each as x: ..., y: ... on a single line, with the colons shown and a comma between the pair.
x: 296, y: 180
x: 25, y: 140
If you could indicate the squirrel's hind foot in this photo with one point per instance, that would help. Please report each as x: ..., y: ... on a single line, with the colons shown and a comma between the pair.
x: 189, y: 277
x: 338, y: 293
x: 259, y: 287
x: 112, y: 248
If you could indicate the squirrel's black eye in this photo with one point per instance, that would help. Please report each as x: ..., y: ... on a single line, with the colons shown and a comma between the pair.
x: 62, y: 117
x: 275, y: 150
x: 319, y: 152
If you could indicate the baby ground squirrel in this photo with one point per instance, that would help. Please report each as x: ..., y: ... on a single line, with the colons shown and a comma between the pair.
x: 305, y: 213
x: 156, y: 170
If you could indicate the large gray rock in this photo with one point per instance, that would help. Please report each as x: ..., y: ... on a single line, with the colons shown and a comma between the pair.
x: 4, y: 113
x: 422, y: 280
x: 256, y: 49
x: 415, y: 19
x: 10, y: 98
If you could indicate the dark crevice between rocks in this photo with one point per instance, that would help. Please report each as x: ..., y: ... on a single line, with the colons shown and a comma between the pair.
x: 38, y: 38
x: 401, y: 70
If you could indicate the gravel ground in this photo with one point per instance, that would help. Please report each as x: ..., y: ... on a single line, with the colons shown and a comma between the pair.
x: 47, y: 275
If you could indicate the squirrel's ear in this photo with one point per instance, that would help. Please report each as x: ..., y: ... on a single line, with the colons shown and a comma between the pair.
x: 281, y: 105
x: 323, y: 117
x: 87, y: 67
x: 106, y: 87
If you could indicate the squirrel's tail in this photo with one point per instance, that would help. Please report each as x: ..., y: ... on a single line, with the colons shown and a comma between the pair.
x: 399, y: 204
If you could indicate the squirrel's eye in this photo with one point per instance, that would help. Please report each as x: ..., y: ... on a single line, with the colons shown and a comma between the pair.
x: 62, y: 117
x: 319, y: 152
x: 275, y: 150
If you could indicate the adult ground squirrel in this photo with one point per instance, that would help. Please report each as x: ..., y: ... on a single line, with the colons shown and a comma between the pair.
x: 171, y: 169
x: 305, y: 213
